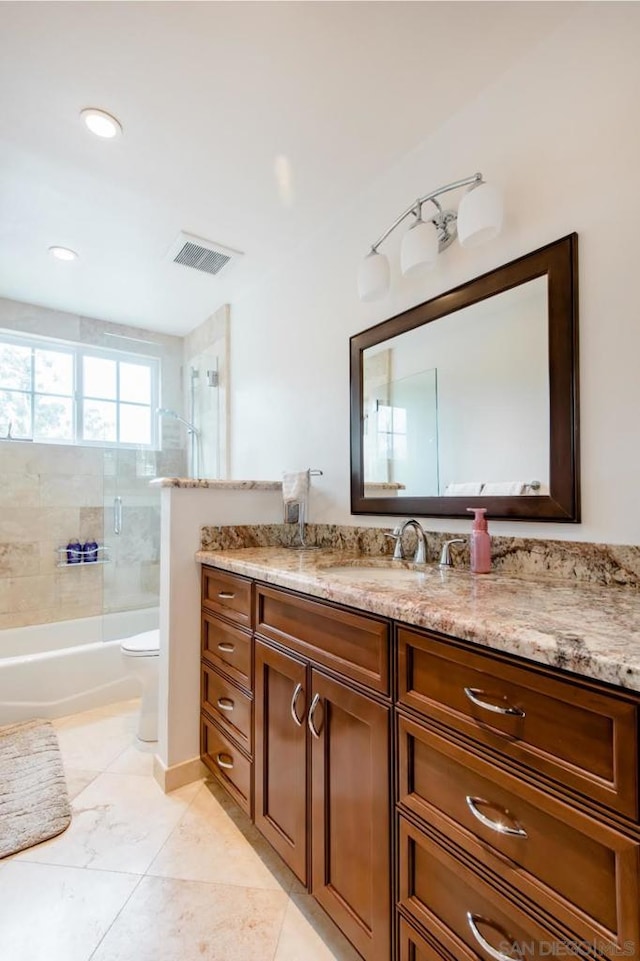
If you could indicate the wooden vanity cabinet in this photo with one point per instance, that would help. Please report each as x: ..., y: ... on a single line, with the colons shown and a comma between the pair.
x: 322, y: 773
x: 281, y: 794
x: 516, y: 804
x: 226, y: 683
x: 314, y: 767
x: 504, y: 808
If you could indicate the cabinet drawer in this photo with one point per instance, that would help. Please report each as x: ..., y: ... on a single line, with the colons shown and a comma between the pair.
x: 227, y: 649
x: 465, y: 913
x: 413, y: 947
x: 354, y: 645
x: 520, y: 712
x: 226, y: 762
x: 581, y: 871
x: 227, y: 594
x: 228, y: 706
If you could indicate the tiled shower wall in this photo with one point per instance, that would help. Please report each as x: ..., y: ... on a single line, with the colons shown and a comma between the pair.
x: 48, y: 494
x: 51, y: 493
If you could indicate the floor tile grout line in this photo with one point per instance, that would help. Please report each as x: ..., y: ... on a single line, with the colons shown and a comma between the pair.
x: 121, y: 909
x: 279, y: 938
x: 79, y: 867
x: 175, y: 828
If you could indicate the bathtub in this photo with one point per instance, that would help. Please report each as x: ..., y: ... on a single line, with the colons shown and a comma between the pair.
x: 49, y: 670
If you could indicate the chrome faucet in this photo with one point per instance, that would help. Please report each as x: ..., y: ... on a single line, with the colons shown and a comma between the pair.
x: 445, y: 555
x: 420, y: 556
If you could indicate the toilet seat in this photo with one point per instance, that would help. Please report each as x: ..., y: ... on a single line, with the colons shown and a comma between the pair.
x: 146, y: 644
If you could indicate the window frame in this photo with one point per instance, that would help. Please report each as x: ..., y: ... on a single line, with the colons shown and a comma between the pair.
x: 78, y: 352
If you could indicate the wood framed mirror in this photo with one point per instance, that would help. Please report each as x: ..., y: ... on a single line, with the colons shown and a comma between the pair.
x: 471, y: 399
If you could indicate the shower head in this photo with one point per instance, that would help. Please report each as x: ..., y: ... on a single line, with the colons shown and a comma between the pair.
x: 168, y: 412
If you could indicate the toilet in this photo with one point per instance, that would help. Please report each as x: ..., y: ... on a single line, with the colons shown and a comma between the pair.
x: 140, y: 657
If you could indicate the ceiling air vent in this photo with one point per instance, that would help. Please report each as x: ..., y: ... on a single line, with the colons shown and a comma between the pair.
x: 191, y: 251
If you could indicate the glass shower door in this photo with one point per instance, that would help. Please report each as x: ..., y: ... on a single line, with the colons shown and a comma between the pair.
x: 132, y: 543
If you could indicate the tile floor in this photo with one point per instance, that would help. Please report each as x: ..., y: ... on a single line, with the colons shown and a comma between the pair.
x: 144, y: 876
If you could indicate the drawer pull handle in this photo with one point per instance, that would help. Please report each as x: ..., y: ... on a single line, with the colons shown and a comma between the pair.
x: 225, y: 704
x: 223, y: 760
x: 517, y: 832
x: 226, y: 595
x: 472, y: 920
x: 294, y: 700
x: 312, y: 727
x: 473, y: 692
x: 227, y: 648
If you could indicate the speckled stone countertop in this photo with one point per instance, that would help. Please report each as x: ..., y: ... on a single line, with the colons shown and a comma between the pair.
x: 586, y: 629
x: 212, y: 484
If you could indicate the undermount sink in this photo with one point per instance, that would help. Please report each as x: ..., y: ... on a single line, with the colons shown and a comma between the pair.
x: 379, y: 571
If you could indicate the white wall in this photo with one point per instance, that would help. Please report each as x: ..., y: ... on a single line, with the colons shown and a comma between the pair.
x: 559, y: 135
x: 183, y: 512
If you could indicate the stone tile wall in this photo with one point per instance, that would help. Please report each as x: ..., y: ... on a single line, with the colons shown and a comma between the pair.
x: 51, y: 493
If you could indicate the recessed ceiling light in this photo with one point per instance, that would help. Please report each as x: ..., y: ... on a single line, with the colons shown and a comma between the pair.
x: 63, y: 253
x: 101, y: 123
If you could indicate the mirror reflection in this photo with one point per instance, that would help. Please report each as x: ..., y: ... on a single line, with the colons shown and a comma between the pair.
x: 460, y: 406
x: 470, y: 399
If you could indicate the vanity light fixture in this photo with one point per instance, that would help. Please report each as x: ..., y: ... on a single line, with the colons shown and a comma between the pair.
x: 101, y: 123
x: 479, y: 218
x: 63, y: 253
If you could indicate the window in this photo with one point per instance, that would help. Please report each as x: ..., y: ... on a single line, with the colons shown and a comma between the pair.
x: 76, y: 394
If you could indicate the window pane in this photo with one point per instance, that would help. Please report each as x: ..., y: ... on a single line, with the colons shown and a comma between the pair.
x: 15, y: 366
x: 54, y: 372
x: 384, y: 417
x: 99, y: 377
x: 99, y: 420
x: 15, y: 411
x: 53, y: 418
x: 135, y: 383
x: 135, y: 424
x: 400, y: 420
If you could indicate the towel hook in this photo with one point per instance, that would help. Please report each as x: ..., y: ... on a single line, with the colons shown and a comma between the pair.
x: 315, y: 473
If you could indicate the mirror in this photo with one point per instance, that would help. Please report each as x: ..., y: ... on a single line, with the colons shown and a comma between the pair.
x: 470, y: 399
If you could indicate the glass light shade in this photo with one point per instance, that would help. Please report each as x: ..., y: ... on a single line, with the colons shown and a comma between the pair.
x: 419, y: 247
x: 480, y: 215
x: 101, y: 123
x: 63, y: 253
x: 374, y: 276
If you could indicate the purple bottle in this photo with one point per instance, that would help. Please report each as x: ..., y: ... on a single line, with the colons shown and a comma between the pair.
x: 74, y: 552
x: 90, y: 552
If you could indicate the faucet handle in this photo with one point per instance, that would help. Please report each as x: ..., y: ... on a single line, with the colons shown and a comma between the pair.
x: 445, y: 554
x: 398, y: 554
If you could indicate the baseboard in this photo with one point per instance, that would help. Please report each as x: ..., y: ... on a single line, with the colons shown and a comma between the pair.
x: 177, y: 775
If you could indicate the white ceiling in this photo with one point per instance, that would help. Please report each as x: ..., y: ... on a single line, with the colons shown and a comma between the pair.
x: 209, y: 95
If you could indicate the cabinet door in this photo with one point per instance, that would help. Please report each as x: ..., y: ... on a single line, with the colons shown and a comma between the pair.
x: 280, y: 754
x: 350, y: 813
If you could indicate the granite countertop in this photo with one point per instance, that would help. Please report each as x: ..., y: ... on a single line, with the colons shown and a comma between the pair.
x: 212, y: 484
x: 586, y: 629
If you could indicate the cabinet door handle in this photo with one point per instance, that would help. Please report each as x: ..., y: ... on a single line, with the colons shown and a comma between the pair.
x: 227, y: 648
x: 473, y: 695
x: 517, y: 832
x: 294, y: 714
x: 312, y: 709
x: 225, y: 704
x: 223, y: 760
x: 225, y: 595
x: 472, y: 920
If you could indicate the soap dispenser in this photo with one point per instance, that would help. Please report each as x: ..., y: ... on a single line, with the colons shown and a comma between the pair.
x: 480, y: 542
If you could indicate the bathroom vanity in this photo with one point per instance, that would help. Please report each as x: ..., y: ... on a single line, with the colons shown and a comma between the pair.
x: 448, y: 781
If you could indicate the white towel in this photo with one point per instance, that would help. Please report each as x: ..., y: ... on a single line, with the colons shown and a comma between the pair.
x: 470, y: 489
x: 504, y: 488
x: 295, y: 486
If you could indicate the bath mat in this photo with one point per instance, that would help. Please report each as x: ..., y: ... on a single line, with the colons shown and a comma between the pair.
x: 34, y: 804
